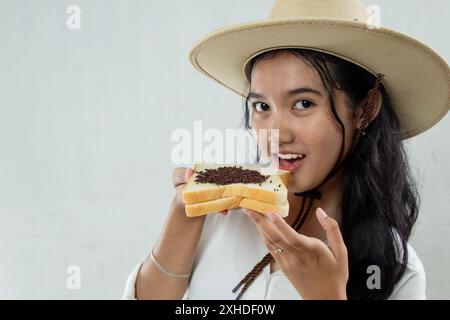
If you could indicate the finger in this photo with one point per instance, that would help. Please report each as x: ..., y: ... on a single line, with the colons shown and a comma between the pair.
x: 267, y: 228
x: 334, y: 236
x: 293, y: 238
x: 181, y: 176
x: 178, y: 176
x: 270, y: 245
x: 188, y: 173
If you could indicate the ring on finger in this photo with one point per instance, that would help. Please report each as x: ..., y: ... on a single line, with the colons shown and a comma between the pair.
x: 278, y: 250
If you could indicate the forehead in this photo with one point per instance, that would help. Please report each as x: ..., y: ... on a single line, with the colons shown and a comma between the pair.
x: 283, y: 70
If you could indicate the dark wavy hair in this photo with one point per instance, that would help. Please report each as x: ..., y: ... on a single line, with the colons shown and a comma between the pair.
x: 379, y: 201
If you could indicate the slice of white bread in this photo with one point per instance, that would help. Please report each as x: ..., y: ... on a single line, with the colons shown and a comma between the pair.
x: 273, y: 190
x: 212, y: 206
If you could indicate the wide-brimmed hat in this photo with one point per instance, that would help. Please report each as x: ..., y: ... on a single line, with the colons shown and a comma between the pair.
x: 416, y: 77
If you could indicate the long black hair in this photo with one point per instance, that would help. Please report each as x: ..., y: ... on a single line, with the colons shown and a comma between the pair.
x: 379, y: 201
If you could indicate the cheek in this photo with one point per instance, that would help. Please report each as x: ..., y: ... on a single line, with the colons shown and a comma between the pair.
x: 323, y: 142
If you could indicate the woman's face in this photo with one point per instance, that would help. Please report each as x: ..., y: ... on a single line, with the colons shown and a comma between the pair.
x: 303, y: 118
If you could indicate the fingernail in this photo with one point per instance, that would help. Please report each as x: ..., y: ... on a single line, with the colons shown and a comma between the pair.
x: 321, y: 213
x: 272, y: 216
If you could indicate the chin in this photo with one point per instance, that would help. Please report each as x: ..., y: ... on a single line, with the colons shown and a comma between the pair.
x: 294, y: 188
x: 298, y: 184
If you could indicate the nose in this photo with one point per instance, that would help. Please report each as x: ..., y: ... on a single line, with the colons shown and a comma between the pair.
x: 286, y: 134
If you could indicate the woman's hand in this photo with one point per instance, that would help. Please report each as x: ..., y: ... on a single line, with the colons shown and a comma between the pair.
x: 315, y: 270
x: 180, y: 176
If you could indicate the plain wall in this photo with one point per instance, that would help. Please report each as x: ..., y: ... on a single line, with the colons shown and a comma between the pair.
x: 85, y: 134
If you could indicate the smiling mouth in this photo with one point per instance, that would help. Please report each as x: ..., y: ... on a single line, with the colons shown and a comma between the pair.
x: 290, y: 163
x: 291, y: 157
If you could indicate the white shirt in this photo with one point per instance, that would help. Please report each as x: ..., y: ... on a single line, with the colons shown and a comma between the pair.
x: 228, y: 249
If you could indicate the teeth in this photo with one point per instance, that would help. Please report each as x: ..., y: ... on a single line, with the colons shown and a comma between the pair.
x: 290, y: 156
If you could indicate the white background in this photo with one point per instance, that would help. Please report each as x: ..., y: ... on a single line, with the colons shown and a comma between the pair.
x: 85, y: 124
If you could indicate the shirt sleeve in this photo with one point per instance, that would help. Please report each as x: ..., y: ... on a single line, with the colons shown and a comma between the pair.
x: 412, y: 285
x: 130, y: 285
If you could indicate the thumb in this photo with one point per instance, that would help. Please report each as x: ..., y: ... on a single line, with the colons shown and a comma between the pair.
x: 334, y: 236
x: 188, y: 173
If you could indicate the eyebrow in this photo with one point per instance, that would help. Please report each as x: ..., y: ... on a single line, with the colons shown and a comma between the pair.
x: 290, y: 93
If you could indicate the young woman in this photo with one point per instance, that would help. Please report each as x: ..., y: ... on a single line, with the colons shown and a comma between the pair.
x: 352, y: 199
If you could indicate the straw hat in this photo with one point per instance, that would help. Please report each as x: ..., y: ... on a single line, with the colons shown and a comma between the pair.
x: 417, y: 78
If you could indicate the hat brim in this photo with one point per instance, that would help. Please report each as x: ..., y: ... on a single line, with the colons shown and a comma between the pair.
x: 416, y: 78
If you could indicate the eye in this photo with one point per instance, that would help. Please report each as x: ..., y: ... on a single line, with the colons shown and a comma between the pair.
x: 303, y: 104
x: 260, y: 106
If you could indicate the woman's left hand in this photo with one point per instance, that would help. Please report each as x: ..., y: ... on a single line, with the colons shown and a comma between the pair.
x: 317, y: 271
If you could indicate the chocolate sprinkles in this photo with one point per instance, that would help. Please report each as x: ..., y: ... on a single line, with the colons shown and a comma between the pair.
x: 229, y: 175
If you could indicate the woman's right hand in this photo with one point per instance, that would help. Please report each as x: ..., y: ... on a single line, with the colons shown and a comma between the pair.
x: 180, y: 176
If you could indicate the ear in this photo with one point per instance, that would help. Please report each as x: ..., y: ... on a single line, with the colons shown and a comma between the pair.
x: 376, y: 109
